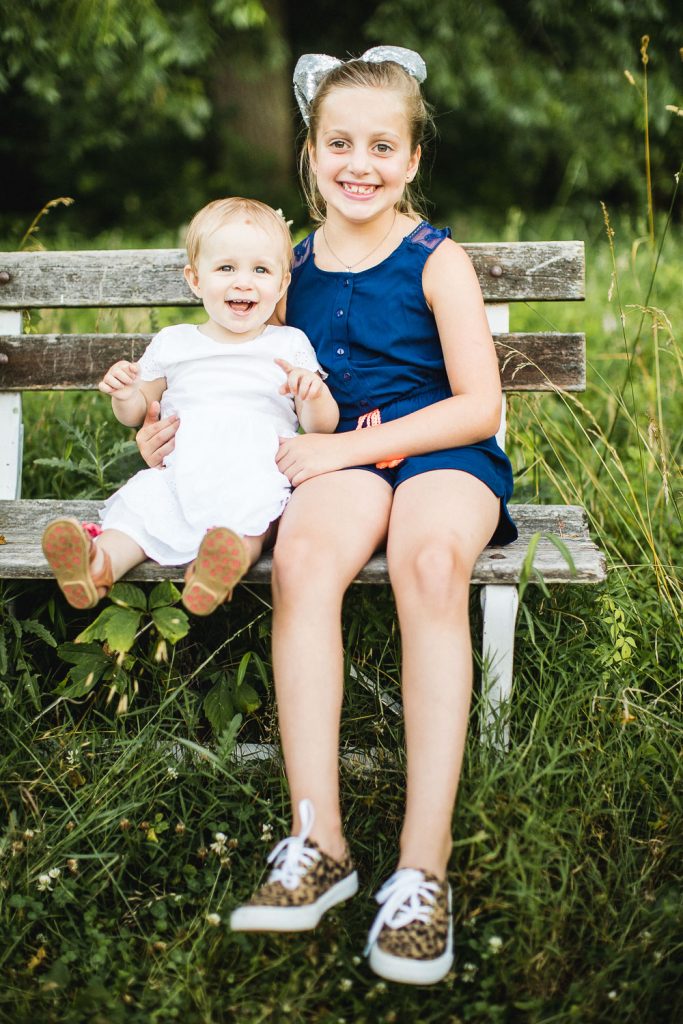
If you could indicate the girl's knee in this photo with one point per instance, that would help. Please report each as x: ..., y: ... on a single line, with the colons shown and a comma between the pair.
x: 301, y: 564
x: 435, y: 574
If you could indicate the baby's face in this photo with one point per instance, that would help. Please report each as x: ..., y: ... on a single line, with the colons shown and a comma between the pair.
x: 240, y: 277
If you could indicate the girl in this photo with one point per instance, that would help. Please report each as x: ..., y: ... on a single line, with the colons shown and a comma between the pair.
x: 221, y: 491
x: 395, y: 313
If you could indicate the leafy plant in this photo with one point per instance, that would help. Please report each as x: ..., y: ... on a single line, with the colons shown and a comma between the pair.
x: 130, y: 615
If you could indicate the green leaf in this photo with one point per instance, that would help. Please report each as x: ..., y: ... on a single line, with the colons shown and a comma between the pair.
x: 84, y: 676
x: 117, y: 626
x: 3, y: 654
x: 172, y: 623
x: 564, y: 551
x: 164, y: 593
x: 31, y: 626
x: 218, y: 705
x: 127, y: 596
x: 74, y: 653
x: 246, y: 698
x: 242, y: 669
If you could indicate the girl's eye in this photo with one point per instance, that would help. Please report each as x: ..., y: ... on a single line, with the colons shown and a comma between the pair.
x: 338, y: 144
x: 383, y: 147
x: 226, y: 268
x: 261, y: 270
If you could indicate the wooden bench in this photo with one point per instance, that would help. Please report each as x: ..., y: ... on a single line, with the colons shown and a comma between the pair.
x: 521, y: 271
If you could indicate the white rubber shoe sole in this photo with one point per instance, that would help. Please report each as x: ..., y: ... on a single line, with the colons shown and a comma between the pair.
x: 293, y: 919
x: 414, y: 972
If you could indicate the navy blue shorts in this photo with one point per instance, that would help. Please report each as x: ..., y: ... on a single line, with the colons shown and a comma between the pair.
x: 485, y: 460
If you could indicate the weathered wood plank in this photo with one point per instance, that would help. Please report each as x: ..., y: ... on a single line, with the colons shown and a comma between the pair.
x: 22, y: 523
x: 47, y: 362
x: 153, y: 277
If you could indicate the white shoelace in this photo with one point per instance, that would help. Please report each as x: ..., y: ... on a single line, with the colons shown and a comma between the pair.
x: 405, y: 897
x: 292, y: 858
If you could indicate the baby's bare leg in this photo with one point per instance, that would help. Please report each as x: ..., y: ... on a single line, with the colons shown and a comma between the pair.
x: 122, y: 550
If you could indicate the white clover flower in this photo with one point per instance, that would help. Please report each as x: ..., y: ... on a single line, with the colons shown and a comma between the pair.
x: 345, y: 984
x: 44, y: 883
x: 54, y: 872
x: 219, y: 846
x: 266, y: 833
x: 468, y: 971
x: 171, y: 772
x: 612, y: 994
x: 355, y: 961
x: 213, y: 919
x: 495, y: 943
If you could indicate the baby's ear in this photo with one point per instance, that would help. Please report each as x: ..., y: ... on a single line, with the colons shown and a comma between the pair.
x: 192, y: 279
x: 285, y: 284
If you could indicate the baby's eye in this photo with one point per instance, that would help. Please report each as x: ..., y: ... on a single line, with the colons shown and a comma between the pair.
x: 262, y: 270
x: 226, y: 268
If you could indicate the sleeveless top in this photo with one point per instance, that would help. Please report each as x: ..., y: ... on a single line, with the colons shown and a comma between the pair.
x: 372, y: 331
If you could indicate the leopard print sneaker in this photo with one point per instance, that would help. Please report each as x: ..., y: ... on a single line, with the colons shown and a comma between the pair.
x: 304, y: 883
x: 411, y: 939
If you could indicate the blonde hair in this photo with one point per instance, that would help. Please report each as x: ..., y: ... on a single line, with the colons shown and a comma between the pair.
x: 214, y: 215
x: 360, y: 74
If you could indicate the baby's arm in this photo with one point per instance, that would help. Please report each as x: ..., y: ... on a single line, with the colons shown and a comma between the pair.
x: 130, y: 396
x: 315, y: 407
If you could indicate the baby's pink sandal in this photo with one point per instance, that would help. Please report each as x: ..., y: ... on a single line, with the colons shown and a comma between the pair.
x: 70, y: 550
x: 221, y: 562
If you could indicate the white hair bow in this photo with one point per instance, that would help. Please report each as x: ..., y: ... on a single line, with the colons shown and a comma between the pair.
x: 312, y: 68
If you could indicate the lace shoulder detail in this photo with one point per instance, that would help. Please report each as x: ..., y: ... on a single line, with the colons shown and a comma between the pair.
x: 428, y: 237
x: 302, y: 252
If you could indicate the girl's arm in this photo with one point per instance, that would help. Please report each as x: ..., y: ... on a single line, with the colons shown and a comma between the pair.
x: 471, y: 415
x: 130, y: 397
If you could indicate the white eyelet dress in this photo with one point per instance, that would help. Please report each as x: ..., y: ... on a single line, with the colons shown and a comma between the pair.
x: 222, y: 471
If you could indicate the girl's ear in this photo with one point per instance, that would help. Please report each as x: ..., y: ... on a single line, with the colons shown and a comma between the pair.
x: 285, y: 285
x: 413, y: 164
x: 311, y: 156
x: 192, y: 279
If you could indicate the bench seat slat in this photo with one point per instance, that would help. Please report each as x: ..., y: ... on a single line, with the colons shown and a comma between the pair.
x: 153, y: 277
x: 22, y: 523
x: 55, y: 362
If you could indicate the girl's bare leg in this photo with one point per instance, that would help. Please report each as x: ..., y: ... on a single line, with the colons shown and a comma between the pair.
x: 440, y: 522
x: 330, y: 528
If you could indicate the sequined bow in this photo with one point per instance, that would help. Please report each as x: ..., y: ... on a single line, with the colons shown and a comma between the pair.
x: 312, y: 68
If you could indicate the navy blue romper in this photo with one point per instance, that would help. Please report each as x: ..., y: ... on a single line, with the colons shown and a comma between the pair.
x: 376, y: 337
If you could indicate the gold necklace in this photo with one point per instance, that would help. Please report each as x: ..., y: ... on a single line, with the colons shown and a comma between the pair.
x: 367, y: 255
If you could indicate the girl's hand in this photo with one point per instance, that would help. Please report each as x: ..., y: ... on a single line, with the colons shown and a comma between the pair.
x: 156, y: 438
x: 121, y: 380
x: 303, y: 384
x: 308, y: 455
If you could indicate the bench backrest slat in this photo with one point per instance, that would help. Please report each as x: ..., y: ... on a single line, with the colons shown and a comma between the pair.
x: 508, y: 272
x: 47, y: 362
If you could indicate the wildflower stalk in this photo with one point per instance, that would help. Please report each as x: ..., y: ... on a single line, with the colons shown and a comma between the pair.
x: 645, y: 42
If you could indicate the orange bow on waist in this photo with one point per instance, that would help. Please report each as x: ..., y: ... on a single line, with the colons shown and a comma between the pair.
x: 372, y: 419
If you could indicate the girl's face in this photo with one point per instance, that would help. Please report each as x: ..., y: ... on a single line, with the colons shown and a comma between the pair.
x: 362, y: 156
x: 239, y: 278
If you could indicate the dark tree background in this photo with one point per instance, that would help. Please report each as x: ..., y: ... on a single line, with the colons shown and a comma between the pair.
x: 142, y: 110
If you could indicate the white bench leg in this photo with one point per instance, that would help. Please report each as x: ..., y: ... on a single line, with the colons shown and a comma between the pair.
x: 11, y: 426
x: 499, y: 604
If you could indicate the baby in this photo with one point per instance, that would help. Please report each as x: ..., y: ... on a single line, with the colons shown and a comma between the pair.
x: 237, y: 384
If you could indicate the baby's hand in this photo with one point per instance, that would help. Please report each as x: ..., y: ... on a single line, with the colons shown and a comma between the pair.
x: 304, y: 384
x: 121, y: 380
